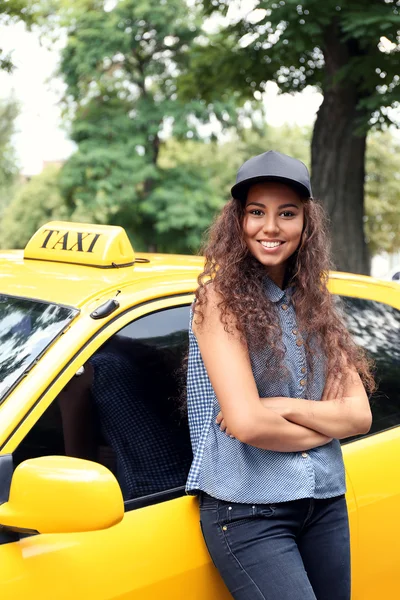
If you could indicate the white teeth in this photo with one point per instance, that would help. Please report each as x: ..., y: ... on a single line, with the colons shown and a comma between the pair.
x: 271, y: 244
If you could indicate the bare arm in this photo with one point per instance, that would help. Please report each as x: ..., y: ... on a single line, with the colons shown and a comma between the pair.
x: 227, y: 361
x: 339, y: 414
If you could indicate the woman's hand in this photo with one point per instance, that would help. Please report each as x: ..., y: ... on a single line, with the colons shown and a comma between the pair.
x: 334, y: 388
x: 335, y: 384
x: 343, y: 411
x: 222, y: 425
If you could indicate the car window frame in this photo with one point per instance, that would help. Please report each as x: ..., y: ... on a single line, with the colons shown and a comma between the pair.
x: 104, y: 333
x: 80, y: 357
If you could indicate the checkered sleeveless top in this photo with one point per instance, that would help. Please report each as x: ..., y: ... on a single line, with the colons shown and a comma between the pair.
x: 233, y: 471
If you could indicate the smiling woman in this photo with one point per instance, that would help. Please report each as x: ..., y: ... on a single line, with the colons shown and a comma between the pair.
x: 272, y: 226
x: 273, y: 384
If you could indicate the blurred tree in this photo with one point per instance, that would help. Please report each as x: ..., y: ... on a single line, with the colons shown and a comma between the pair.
x: 34, y: 203
x: 189, y: 164
x: 120, y: 67
x: 221, y: 160
x: 348, y: 49
x: 8, y: 160
x: 12, y: 11
x: 382, y: 220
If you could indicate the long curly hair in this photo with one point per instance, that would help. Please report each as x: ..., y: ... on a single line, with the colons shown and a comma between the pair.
x: 238, y: 277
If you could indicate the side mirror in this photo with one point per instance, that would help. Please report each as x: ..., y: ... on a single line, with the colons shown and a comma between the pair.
x: 60, y: 494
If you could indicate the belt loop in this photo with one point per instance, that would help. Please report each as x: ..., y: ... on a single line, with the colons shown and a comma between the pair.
x: 310, y: 510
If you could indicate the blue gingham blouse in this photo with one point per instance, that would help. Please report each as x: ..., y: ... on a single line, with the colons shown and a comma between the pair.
x: 233, y: 471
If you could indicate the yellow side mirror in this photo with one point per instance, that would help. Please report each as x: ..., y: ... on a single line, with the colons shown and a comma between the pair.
x: 59, y: 494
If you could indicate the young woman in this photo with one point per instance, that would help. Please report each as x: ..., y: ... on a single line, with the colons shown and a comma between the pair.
x: 274, y: 381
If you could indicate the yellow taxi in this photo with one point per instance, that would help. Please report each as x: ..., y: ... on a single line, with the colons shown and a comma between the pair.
x: 94, y: 446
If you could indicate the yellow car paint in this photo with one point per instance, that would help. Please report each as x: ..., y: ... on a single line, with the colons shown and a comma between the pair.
x: 102, y: 246
x: 156, y: 551
x: 74, y: 485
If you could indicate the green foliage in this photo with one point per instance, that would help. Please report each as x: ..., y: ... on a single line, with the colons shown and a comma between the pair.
x: 34, y: 203
x: 198, y: 177
x: 10, y: 12
x: 289, y: 45
x: 221, y: 161
x: 382, y: 221
x: 134, y: 53
x: 8, y: 162
x: 104, y: 178
x: 292, y: 140
x: 348, y: 49
x: 120, y: 67
x: 182, y: 207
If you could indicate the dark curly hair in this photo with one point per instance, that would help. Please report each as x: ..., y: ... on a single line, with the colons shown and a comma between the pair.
x: 238, y: 278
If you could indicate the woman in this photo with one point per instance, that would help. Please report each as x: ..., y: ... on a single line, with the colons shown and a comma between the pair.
x: 274, y: 381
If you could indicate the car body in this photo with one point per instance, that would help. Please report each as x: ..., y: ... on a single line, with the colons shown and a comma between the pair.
x: 66, y: 529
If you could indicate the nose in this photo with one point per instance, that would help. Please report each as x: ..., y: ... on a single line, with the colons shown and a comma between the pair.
x: 270, y: 225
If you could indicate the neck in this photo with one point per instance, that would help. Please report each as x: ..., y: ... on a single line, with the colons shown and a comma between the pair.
x: 277, y: 275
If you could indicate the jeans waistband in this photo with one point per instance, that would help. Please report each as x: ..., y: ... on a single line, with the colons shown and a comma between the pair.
x: 207, y: 501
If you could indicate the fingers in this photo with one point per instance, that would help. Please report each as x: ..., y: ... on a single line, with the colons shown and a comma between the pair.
x: 221, y: 422
x: 222, y: 425
x: 333, y: 388
x: 336, y: 387
x: 327, y: 393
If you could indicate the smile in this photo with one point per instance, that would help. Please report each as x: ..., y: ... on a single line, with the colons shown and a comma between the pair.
x: 274, y: 244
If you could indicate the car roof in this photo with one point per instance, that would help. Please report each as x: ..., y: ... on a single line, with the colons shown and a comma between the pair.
x: 75, y: 285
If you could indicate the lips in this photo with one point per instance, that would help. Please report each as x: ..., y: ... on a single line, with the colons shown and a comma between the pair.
x: 270, y: 244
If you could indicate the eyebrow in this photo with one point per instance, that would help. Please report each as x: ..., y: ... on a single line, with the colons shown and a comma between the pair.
x: 279, y: 207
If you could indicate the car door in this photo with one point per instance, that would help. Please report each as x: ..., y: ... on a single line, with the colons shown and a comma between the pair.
x: 157, y: 549
x: 373, y: 461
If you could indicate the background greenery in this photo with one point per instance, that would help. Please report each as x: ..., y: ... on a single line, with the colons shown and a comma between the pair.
x: 163, y: 113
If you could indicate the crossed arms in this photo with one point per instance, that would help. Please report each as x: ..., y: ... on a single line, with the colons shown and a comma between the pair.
x: 280, y: 424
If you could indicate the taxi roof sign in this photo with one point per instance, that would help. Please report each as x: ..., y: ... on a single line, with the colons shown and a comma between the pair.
x: 103, y: 246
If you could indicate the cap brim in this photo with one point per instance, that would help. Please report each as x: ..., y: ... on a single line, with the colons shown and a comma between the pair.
x: 239, y: 190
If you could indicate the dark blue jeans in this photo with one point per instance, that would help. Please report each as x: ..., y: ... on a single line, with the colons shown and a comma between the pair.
x: 298, y: 550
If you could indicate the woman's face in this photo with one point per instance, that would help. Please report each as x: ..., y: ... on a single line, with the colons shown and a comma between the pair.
x: 272, y: 225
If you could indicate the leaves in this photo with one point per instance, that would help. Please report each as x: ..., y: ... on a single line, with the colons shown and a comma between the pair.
x: 382, y: 221
x: 8, y: 163
x: 121, y: 68
x: 12, y: 11
x: 313, y: 43
x: 41, y: 194
x: 8, y: 113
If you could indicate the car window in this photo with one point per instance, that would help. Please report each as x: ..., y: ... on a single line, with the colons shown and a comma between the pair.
x: 124, y: 409
x: 376, y: 327
x: 27, y: 328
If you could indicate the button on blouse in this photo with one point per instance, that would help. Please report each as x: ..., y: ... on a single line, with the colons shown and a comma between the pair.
x: 233, y: 471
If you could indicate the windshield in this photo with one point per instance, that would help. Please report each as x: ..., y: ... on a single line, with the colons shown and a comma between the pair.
x: 27, y: 328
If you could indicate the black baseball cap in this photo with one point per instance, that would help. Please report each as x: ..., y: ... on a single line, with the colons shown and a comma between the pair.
x: 272, y: 166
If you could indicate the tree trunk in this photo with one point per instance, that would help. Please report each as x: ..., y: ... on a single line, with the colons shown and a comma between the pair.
x: 338, y: 162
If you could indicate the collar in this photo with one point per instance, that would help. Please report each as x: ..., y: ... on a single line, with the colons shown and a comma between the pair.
x: 274, y: 292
